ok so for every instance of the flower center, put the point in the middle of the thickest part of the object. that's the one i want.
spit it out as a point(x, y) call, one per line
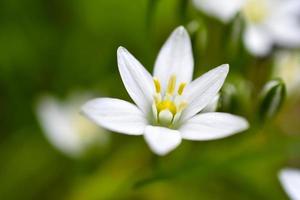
point(167, 107)
point(255, 11)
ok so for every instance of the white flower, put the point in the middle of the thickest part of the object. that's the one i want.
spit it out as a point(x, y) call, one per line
point(167, 104)
point(224, 10)
point(65, 128)
point(290, 180)
point(268, 22)
point(287, 67)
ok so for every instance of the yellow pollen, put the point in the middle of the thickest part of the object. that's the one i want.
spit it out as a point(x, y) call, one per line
point(157, 85)
point(166, 104)
point(171, 85)
point(181, 88)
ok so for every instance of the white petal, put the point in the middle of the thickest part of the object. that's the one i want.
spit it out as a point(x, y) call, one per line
point(283, 22)
point(257, 40)
point(116, 115)
point(285, 30)
point(203, 90)
point(212, 106)
point(214, 125)
point(137, 80)
point(162, 140)
point(58, 128)
point(225, 10)
point(283, 8)
point(175, 58)
point(290, 180)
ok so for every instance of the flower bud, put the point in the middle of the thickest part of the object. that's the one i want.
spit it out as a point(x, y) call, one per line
point(272, 97)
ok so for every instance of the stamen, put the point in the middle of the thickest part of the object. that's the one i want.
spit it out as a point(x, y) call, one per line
point(171, 85)
point(166, 104)
point(154, 111)
point(182, 106)
point(168, 107)
point(157, 85)
point(157, 98)
point(181, 88)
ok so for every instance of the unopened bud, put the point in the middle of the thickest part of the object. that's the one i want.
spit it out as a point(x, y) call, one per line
point(272, 97)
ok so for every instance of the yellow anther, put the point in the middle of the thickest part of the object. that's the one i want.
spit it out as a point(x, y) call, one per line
point(167, 107)
point(181, 88)
point(167, 104)
point(171, 85)
point(157, 85)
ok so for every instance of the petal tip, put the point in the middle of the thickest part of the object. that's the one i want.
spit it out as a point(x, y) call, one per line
point(244, 124)
point(181, 31)
point(158, 152)
point(85, 108)
point(286, 171)
point(122, 55)
point(180, 28)
point(225, 67)
point(161, 140)
point(121, 50)
point(290, 180)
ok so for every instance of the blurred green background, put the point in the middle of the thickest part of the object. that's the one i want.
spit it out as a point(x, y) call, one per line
point(57, 47)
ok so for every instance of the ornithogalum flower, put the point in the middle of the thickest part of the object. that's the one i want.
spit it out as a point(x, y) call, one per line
point(290, 180)
point(65, 128)
point(168, 105)
point(268, 22)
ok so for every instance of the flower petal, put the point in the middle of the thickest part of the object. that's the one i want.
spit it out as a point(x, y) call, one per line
point(116, 115)
point(56, 122)
point(285, 30)
point(162, 140)
point(203, 90)
point(212, 106)
point(214, 125)
point(284, 8)
point(225, 10)
point(290, 180)
point(175, 58)
point(137, 80)
point(257, 40)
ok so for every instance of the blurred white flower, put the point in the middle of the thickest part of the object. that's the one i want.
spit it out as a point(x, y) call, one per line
point(290, 180)
point(271, 22)
point(168, 104)
point(287, 67)
point(66, 128)
point(224, 10)
point(268, 22)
